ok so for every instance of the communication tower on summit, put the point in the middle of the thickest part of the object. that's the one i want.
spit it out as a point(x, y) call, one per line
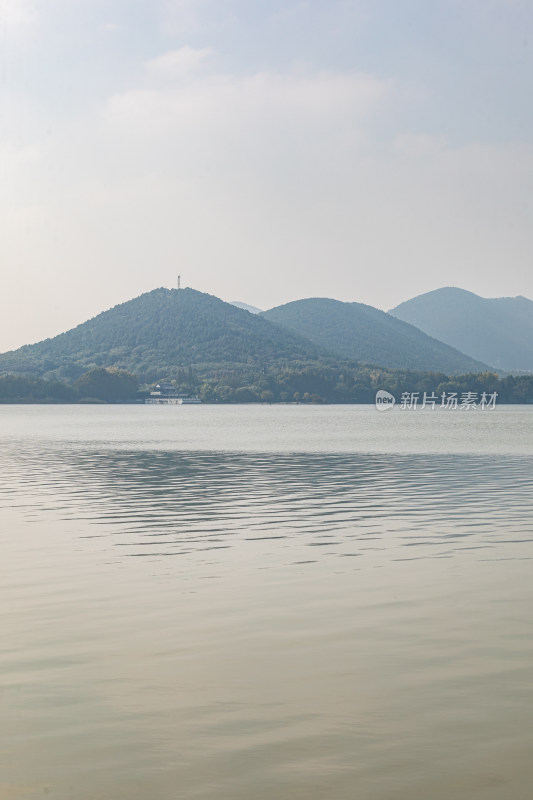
point(179, 281)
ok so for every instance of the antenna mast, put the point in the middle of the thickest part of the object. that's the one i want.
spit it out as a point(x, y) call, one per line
point(179, 281)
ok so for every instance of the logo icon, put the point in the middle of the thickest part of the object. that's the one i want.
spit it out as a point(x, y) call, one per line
point(384, 400)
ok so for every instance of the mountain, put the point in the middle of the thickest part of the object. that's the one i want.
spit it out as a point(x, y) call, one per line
point(160, 331)
point(363, 333)
point(496, 330)
point(246, 307)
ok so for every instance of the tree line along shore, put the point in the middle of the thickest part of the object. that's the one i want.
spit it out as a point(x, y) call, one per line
point(296, 384)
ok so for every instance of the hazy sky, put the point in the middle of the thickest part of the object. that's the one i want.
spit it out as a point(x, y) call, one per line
point(366, 150)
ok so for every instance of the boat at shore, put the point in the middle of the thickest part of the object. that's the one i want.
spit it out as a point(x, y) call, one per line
point(165, 394)
point(172, 401)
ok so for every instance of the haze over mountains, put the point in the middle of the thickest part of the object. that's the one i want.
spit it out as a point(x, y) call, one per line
point(498, 330)
point(166, 329)
point(364, 333)
point(251, 309)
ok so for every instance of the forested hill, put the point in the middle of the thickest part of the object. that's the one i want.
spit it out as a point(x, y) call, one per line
point(498, 330)
point(159, 332)
point(363, 333)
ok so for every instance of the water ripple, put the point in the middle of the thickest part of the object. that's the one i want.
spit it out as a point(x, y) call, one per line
point(155, 503)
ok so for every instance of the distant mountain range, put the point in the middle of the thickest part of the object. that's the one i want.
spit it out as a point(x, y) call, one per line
point(169, 329)
point(160, 331)
point(363, 333)
point(246, 307)
point(498, 330)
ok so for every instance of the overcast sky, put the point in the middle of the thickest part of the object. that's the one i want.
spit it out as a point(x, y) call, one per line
point(358, 149)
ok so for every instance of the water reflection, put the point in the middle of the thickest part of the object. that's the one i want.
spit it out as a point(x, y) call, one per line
point(162, 503)
point(367, 634)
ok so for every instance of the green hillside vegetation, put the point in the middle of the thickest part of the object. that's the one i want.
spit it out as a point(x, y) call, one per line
point(362, 333)
point(97, 385)
point(496, 330)
point(356, 385)
point(308, 384)
point(159, 332)
point(109, 385)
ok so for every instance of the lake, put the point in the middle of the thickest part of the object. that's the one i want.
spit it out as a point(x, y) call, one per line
point(259, 602)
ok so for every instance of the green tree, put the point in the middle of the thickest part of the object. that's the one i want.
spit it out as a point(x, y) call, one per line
point(107, 384)
point(245, 394)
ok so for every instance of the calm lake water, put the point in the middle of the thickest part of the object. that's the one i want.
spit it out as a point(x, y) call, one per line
point(266, 602)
